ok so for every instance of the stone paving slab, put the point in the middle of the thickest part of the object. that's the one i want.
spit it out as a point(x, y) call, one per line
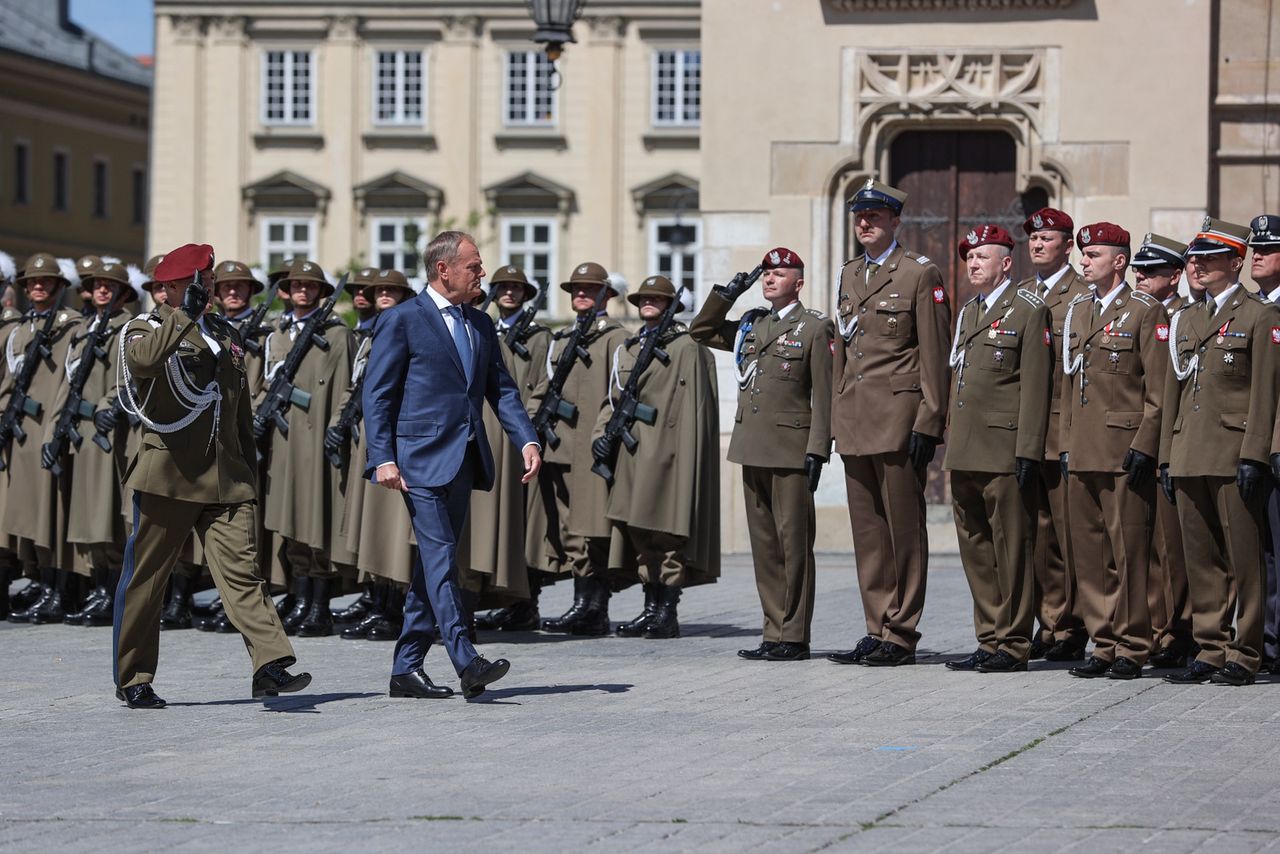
point(633, 745)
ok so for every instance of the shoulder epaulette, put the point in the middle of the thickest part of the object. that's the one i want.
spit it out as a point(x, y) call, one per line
point(851, 261)
point(1144, 298)
point(1031, 298)
point(1260, 298)
point(813, 312)
point(918, 258)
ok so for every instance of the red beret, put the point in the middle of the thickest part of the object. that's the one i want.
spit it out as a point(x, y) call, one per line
point(1103, 234)
point(985, 235)
point(184, 262)
point(1048, 219)
point(782, 258)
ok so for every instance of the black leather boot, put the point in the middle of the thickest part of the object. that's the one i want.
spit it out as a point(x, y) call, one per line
point(26, 597)
point(102, 611)
point(23, 615)
point(360, 631)
point(359, 609)
point(388, 628)
point(98, 593)
point(562, 623)
point(319, 619)
point(301, 605)
point(665, 623)
point(524, 617)
point(49, 609)
point(494, 619)
point(635, 628)
point(594, 620)
point(177, 611)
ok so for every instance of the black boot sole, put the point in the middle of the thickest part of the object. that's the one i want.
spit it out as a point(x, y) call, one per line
point(299, 682)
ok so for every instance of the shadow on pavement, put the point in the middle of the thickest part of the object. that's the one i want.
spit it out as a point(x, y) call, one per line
point(289, 703)
point(546, 690)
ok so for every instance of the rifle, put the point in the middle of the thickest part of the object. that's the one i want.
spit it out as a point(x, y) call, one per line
point(252, 330)
point(518, 332)
point(76, 409)
point(20, 403)
point(628, 410)
point(283, 393)
point(554, 408)
point(348, 420)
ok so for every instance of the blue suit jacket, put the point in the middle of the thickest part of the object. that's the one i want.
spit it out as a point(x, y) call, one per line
point(418, 408)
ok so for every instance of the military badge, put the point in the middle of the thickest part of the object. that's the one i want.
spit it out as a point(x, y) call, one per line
point(237, 356)
point(1162, 332)
point(1085, 236)
point(1048, 338)
point(971, 238)
point(1037, 221)
point(1229, 358)
point(939, 296)
point(1275, 335)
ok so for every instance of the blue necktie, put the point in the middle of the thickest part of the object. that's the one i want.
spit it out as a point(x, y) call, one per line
point(460, 339)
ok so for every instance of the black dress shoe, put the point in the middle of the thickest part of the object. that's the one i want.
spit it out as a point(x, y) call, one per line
point(419, 686)
point(971, 663)
point(101, 613)
point(1232, 674)
point(360, 631)
point(1038, 649)
point(787, 651)
point(386, 629)
point(759, 652)
point(865, 647)
point(1167, 659)
point(140, 697)
point(481, 672)
point(1197, 674)
point(1124, 668)
point(274, 678)
point(889, 654)
point(357, 610)
point(1002, 662)
point(1091, 669)
point(26, 597)
point(79, 617)
point(1065, 651)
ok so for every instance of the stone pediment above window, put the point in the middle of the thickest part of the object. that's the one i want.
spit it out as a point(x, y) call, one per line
point(398, 191)
point(529, 191)
point(668, 193)
point(943, 5)
point(285, 190)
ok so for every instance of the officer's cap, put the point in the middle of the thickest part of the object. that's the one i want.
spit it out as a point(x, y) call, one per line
point(1159, 251)
point(874, 194)
point(1265, 230)
point(1219, 237)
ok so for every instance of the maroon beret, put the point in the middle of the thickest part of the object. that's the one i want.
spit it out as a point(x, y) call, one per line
point(1048, 219)
point(1103, 234)
point(782, 258)
point(184, 262)
point(985, 235)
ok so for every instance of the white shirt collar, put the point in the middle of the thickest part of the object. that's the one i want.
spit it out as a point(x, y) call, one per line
point(1274, 296)
point(783, 312)
point(884, 257)
point(1052, 281)
point(1222, 298)
point(1173, 296)
point(994, 297)
point(438, 298)
point(1109, 298)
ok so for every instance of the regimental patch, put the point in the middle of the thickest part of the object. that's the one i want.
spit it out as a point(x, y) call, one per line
point(922, 260)
point(1048, 338)
point(1162, 332)
point(1275, 335)
point(939, 295)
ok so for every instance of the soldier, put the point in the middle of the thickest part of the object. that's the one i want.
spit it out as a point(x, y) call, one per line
point(193, 471)
point(578, 529)
point(887, 417)
point(781, 438)
point(1062, 635)
point(1157, 270)
point(1264, 240)
point(9, 567)
point(362, 300)
point(304, 493)
point(999, 414)
point(1116, 357)
point(234, 285)
point(38, 521)
point(1220, 407)
point(95, 525)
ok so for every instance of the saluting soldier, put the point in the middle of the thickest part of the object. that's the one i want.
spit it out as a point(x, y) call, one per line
point(665, 494)
point(781, 438)
point(1061, 637)
point(999, 413)
point(1116, 356)
point(304, 497)
point(888, 414)
point(578, 530)
point(38, 519)
point(193, 472)
point(1157, 270)
point(1220, 408)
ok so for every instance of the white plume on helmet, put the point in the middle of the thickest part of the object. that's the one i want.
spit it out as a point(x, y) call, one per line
point(260, 275)
point(110, 259)
point(67, 268)
point(417, 283)
point(8, 267)
point(619, 284)
point(137, 280)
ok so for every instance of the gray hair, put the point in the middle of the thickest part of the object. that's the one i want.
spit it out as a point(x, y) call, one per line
point(443, 247)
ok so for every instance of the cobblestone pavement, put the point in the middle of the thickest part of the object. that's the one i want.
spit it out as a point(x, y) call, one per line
point(632, 744)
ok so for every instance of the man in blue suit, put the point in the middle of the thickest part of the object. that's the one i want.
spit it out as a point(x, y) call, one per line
point(433, 364)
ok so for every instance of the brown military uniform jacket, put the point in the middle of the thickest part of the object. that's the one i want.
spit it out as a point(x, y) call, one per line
point(784, 381)
point(1114, 402)
point(1225, 411)
point(1000, 402)
point(1067, 288)
point(207, 461)
point(891, 375)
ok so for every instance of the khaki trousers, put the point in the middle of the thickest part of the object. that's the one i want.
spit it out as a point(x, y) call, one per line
point(160, 525)
point(1168, 597)
point(569, 552)
point(660, 556)
point(994, 521)
point(1222, 542)
point(890, 543)
point(1110, 549)
point(781, 524)
point(1058, 609)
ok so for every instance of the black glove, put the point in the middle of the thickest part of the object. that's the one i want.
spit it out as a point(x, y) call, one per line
point(260, 430)
point(335, 438)
point(921, 448)
point(1275, 467)
point(1166, 484)
point(1064, 460)
point(737, 287)
point(1025, 470)
point(600, 450)
point(48, 455)
point(1140, 468)
point(105, 419)
point(813, 470)
point(1249, 477)
point(194, 300)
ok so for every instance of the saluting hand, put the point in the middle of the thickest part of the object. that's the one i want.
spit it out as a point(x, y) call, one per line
point(388, 475)
point(532, 462)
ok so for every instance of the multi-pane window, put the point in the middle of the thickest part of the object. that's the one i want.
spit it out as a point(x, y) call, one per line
point(139, 199)
point(287, 237)
point(677, 88)
point(61, 181)
point(398, 243)
point(397, 82)
point(674, 250)
point(100, 201)
point(528, 96)
point(21, 173)
point(287, 87)
point(529, 243)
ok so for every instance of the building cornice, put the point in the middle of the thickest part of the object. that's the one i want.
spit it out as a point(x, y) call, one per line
point(943, 5)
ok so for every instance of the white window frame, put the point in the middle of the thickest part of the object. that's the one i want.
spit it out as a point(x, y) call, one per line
point(399, 65)
point(288, 105)
point(25, 145)
point(533, 58)
point(105, 162)
point(288, 247)
point(377, 247)
point(692, 252)
point(552, 250)
point(678, 118)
